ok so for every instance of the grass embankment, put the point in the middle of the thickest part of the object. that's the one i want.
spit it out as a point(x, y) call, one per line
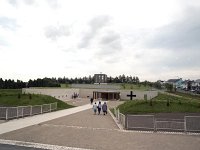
point(11, 97)
point(140, 87)
point(187, 95)
point(65, 85)
point(159, 105)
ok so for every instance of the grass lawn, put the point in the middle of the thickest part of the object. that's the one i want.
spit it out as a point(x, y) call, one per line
point(9, 97)
point(159, 105)
point(127, 86)
point(187, 95)
point(65, 85)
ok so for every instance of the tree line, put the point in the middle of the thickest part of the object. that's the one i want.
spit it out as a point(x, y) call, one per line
point(55, 82)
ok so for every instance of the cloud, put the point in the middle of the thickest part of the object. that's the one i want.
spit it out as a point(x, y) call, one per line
point(17, 2)
point(8, 23)
point(3, 42)
point(110, 43)
point(54, 32)
point(53, 3)
point(95, 25)
point(184, 33)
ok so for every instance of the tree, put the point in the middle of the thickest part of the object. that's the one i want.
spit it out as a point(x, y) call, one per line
point(157, 85)
point(169, 87)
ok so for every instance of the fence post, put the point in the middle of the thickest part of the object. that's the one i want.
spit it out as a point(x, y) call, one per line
point(6, 113)
point(22, 112)
point(17, 113)
point(155, 125)
point(50, 106)
point(41, 108)
point(31, 111)
point(117, 114)
point(185, 129)
point(56, 105)
point(126, 121)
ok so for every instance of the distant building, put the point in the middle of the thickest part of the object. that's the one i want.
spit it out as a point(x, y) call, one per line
point(100, 78)
point(175, 82)
point(197, 83)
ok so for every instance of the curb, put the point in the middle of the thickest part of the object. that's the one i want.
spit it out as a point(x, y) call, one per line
point(115, 120)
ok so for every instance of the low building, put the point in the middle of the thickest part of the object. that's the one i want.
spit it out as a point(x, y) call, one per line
point(175, 82)
point(106, 95)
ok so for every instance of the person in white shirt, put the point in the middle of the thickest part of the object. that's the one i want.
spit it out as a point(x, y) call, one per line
point(95, 108)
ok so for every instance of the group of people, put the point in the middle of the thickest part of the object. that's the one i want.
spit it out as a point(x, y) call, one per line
point(100, 107)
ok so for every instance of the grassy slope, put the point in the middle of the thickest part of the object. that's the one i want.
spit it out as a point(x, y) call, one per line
point(10, 98)
point(134, 87)
point(177, 104)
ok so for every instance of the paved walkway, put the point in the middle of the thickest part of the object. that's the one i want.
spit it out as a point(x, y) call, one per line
point(37, 119)
point(88, 131)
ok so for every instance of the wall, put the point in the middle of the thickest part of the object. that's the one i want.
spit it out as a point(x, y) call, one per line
point(139, 94)
point(59, 93)
point(65, 94)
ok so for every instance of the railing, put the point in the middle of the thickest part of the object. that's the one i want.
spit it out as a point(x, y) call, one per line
point(7, 113)
point(141, 122)
point(151, 123)
point(120, 117)
point(172, 124)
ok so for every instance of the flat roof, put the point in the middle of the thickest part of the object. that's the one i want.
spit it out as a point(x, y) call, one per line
point(107, 91)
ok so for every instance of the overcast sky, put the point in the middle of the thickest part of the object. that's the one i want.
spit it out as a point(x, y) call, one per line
point(151, 39)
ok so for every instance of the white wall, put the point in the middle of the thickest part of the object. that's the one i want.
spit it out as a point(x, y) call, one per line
point(139, 94)
point(66, 94)
point(59, 93)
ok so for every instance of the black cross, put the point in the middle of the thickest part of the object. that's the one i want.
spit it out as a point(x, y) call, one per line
point(131, 95)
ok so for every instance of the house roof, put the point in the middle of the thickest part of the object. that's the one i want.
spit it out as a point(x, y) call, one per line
point(173, 80)
point(198, 81)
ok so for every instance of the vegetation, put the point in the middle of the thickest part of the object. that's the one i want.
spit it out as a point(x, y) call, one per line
point(11, 98)
point(161, 103)
point(187, 95)
point(169, 87)
point(129, 86)
point(11, 84)
point(58, 82)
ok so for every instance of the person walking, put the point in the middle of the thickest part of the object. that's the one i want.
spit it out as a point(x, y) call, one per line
point(95, 108)
point(91, 100)
point(104, 108)
point(99, 107)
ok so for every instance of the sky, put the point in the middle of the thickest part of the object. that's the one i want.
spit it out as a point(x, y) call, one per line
point(151, 39)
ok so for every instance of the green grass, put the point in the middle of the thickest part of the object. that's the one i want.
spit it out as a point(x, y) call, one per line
point(126, 86)
point(4, 92)
point(64, 85)
point(187, 95)
point(10, 98)
point(177, 104)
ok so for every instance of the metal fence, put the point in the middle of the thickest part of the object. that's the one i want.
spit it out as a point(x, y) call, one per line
point(141, 122)
point(192, 123)
point(151, 123)
point(120, 117)
point(7, 113)
point(172, 124)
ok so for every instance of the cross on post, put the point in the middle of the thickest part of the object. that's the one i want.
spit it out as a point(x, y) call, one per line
point(131, 95)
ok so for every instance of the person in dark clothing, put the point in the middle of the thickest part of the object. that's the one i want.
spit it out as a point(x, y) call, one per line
point(99, 108)
point(91, 100)
point(104, 108)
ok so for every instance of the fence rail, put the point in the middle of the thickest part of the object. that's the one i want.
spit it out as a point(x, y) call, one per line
point(150, 122)
point(7, 113)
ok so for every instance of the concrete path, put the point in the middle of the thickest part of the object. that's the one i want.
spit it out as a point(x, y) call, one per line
point(37, 119)
point(84, 130)
point(15, 147)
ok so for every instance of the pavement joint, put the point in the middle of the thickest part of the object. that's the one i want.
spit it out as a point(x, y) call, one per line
point(80, 127)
